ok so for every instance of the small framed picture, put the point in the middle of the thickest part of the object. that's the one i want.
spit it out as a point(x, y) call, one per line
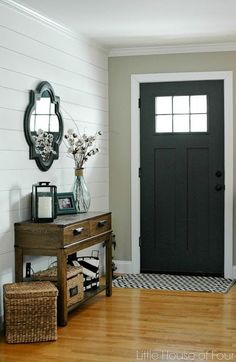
point(65, 203)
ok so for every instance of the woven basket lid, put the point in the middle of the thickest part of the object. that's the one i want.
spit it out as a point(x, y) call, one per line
point(51, 273)
point(30, 290)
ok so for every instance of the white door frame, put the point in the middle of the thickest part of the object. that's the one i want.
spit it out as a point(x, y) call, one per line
point(136, 79)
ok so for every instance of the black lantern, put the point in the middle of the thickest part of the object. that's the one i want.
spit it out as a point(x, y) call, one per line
point(43, 202)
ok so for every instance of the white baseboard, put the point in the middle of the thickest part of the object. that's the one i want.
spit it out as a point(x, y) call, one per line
point(234, 272)
point(123, 266)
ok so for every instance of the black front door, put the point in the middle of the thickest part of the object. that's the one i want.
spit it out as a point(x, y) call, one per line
point(182, 177)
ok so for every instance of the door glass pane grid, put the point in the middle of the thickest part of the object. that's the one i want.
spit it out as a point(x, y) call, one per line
point(181, 114)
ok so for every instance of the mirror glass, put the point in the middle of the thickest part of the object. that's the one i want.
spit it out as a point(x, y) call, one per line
point(43, 125)
point(44, 116)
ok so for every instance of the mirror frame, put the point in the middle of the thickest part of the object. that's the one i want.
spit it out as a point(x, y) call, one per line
point(36, 96)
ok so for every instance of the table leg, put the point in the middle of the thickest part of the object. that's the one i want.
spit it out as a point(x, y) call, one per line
point(62, 286)
point(18, 264)
point(109, 266)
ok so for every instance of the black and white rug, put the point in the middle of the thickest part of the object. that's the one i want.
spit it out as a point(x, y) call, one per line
point(174, 282)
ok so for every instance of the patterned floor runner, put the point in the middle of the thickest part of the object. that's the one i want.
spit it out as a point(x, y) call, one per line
point(174, 282)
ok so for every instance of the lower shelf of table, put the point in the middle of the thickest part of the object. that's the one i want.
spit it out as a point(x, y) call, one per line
point(87, 295)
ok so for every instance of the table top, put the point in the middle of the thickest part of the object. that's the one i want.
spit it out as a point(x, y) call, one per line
point(65, 220)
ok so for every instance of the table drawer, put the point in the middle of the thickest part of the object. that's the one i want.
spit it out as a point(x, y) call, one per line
point(76, 232)
point(100, 224)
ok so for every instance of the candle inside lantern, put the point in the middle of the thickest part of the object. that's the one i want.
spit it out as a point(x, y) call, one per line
point(44, 207)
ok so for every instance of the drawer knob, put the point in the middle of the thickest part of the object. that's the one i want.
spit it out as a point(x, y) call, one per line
point(78, 231)
point(102, 223)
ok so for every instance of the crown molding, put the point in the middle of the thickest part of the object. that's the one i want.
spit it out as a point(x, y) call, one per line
point(119, 52)
point(21, 9)
point(173, 49)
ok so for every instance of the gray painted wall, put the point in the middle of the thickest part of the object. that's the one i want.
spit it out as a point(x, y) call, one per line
point(120, 70)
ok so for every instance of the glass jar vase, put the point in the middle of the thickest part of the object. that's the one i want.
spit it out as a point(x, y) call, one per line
point(81, 192)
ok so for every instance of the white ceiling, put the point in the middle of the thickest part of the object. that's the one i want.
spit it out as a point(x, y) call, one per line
point(137, 23)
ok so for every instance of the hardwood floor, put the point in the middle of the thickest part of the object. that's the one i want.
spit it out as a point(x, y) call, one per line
point(141, 325)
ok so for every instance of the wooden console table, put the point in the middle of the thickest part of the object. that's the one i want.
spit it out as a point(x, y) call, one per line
point(65, 236)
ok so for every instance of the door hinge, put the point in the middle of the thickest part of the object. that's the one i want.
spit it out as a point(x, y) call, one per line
point(139, 103)
point(140, 241)
point(139, 172)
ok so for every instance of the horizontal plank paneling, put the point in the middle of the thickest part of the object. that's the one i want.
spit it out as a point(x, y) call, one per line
point(8, 218)
point(30, 52)
point(78, 97)
point(89, 129)
point(14, 179)
point(7, 241)
point(6, 262)
point(44, 34)
point(7, 137)
point(75, 111)
point(11, 119)
point(99, 203)
point(83, 117)
point(16, 203)
point(13, 99)
point(93, 174)
point(13, 200)
point(14, 80)
point(33, 67)
point(9, 39)
point(72, 113)
point(96, 189)
point(8, 160)
point(19, 200)
point(99, 160)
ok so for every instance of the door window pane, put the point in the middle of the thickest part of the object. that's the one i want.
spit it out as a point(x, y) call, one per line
point(198, 104)
point(163, 124)
point(181, 104)
point(163, 105)
point(198, 123)
point(181, 114)
point(181, 123)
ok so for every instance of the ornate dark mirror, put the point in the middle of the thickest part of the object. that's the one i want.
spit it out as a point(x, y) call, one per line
point(43, 126)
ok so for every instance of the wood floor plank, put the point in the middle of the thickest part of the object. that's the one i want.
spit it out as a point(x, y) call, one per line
point(141, 325)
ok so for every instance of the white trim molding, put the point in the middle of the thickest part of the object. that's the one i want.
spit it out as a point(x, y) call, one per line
point(123, 266)
point(21, 9)
point(234, 272)
point(136, 79)
point(37, 16)
point(173, 49)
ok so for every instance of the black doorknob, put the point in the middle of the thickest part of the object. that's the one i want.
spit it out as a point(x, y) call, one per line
point(219, 173)
point(218, 187)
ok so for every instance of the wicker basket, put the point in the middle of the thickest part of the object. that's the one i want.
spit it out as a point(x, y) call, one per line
point(30, 312)
point(75, 291)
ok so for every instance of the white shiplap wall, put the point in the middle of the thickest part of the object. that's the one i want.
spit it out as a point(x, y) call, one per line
point(32, 51)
